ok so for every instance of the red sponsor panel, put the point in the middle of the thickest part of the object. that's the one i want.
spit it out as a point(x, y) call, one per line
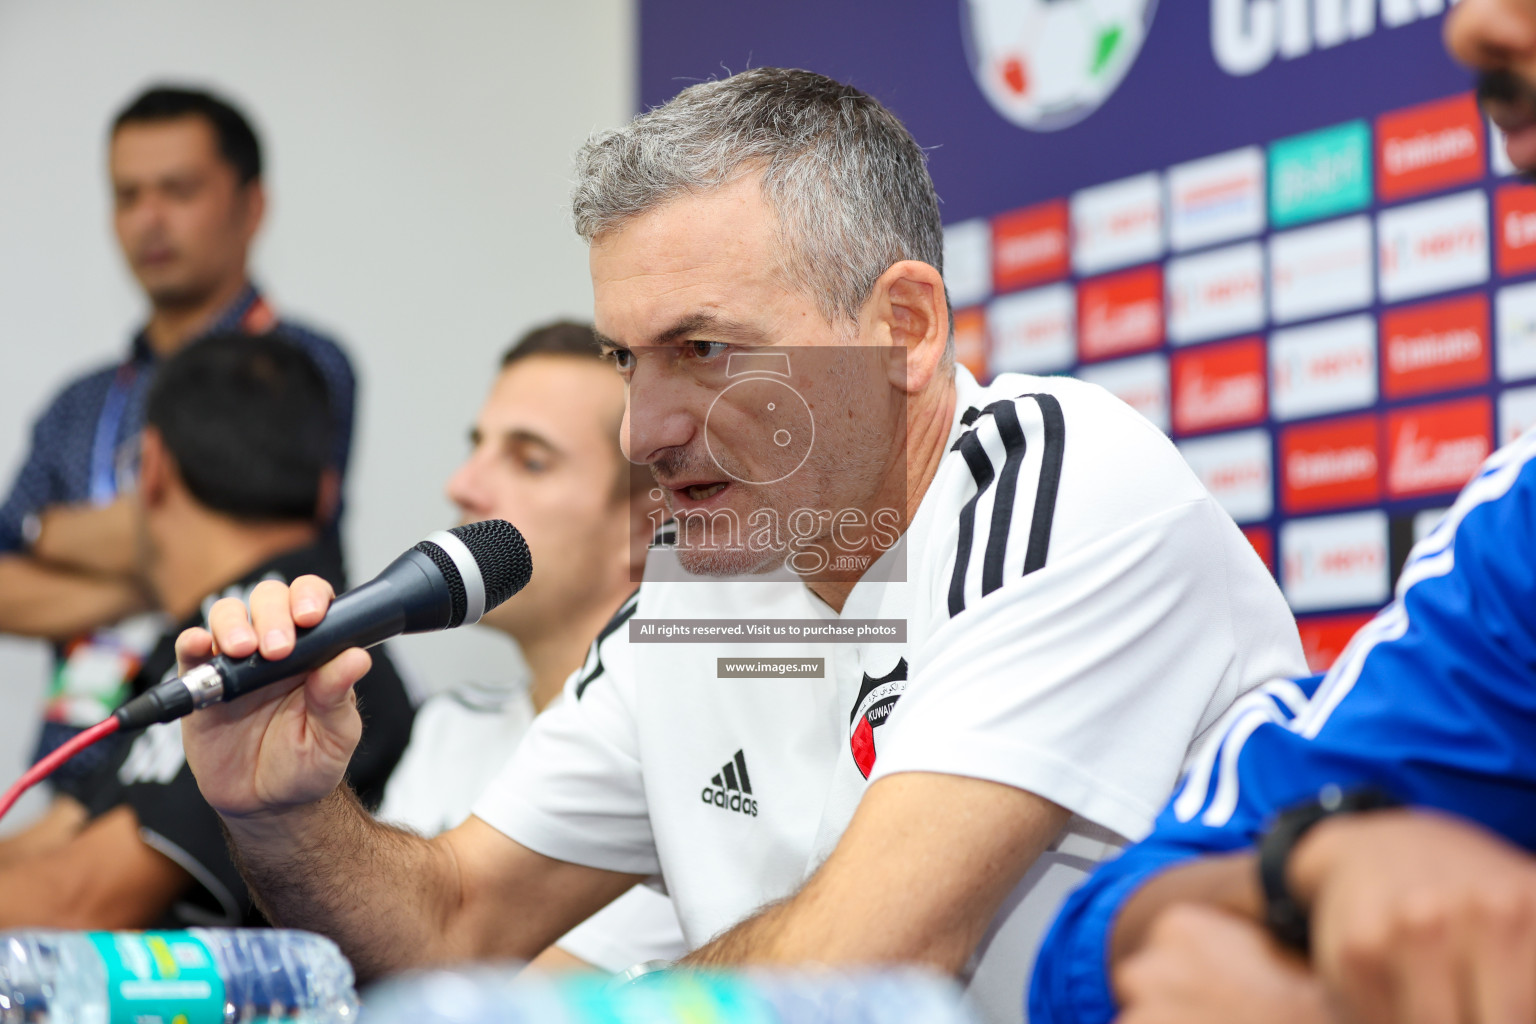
point(971, 340)
point(1030, 246)
point(1436, 449)
point(1514, 215)
point(1120, 313)
point(1324, 637)
point(1330, 464)
point(1435, 346)
point(1216, 386)
point(1263, 542)
point(1429, 147)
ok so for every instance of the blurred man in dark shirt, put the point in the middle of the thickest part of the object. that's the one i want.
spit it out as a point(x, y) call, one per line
point(234, 469)
point(187, 202)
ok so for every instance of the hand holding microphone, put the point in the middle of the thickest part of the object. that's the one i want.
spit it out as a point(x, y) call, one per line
point(259, 747)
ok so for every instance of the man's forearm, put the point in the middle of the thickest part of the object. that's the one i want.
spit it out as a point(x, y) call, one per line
point(1229, 882)
point(331, 868)
point(54, 604)
point(97, 539)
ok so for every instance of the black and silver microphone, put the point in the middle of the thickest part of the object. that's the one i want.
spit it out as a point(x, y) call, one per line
point(451, 578)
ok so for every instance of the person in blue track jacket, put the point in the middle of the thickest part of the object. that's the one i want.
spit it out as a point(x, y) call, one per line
point(1361, 845)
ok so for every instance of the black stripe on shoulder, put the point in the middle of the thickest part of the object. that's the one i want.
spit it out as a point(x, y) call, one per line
point(1050, 481)
point(1006, 416)
point(981, 470)
point(624, 614)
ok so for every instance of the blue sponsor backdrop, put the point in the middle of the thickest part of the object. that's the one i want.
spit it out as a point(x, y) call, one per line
point(1175, 104)
point(1178, 103)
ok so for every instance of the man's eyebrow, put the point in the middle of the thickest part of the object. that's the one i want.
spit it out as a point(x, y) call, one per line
point(712, 325)
point(517, 435)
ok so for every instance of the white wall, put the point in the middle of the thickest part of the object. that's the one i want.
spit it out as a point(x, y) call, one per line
point(418, 157)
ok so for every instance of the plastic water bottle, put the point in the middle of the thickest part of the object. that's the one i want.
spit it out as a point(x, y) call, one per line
point(492, 996)
point(200, 976)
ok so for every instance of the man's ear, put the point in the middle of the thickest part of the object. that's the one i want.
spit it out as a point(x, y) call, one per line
point(908, 311)
point(157, 469)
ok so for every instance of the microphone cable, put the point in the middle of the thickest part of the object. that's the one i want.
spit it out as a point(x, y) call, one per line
point(50, 763)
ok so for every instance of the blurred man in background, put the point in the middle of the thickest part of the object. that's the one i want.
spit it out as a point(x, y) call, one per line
point(188, 200)
point(544, 457)
point(1285, 882)
point(236, 461)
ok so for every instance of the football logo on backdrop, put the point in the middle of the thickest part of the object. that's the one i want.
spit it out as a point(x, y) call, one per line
point(1047, 64)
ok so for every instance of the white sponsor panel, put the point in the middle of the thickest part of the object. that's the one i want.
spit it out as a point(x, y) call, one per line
point(1216, 199)
point(1498, 156)
point(1034, 331)
point(1433, 246)
point(968, 261)
point(1335, 561)
point(1515, 331)
point(1117, 224)
point(1216, 293)
point(1237, 469)
point(1517, 413)
point(1323, 367)
point(1319, 270)
point(1140, 382)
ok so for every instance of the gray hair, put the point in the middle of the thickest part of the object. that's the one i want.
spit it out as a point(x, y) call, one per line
point(849, 183)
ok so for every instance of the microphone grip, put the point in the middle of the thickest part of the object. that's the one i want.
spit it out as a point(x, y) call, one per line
point(363, 617)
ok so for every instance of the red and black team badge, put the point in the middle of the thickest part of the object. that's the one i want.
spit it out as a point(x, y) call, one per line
point(877, 699)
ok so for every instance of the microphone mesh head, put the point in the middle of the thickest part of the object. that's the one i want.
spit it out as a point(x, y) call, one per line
point(502, 555)
point(458, 596)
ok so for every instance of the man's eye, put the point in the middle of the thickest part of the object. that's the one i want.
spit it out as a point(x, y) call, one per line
point(707, 349)
point(622, 358)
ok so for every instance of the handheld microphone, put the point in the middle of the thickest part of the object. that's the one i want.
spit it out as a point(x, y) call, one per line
point(451, 578)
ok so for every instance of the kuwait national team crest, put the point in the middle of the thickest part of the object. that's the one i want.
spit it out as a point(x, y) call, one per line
point(877, 699)
point(1047, 64)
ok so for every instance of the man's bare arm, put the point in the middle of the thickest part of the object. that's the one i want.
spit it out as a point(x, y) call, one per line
point(393, 900)
point(42, 601)
point(95, 539)
point(917, 878)
point(60, 823)
point(104, 878)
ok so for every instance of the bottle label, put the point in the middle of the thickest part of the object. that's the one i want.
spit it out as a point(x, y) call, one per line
point(160, 978)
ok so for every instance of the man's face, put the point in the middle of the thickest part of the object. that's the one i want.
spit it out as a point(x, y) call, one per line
point(1497, 38)
point(545, 459)
point(760, 421)
point(182, 218)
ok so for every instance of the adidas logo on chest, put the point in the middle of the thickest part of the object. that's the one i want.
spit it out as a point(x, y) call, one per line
point(731, 788)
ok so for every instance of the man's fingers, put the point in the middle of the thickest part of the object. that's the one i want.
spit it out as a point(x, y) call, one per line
point(309, 597)
point(329, 687)
point(272, 619)
point(231, 628)
point(1425, 971)
point(1499, 964)
point(193, 647)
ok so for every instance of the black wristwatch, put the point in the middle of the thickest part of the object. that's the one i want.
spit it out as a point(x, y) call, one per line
point(1287, 919)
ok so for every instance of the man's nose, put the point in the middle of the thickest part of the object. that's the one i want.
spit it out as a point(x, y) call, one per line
point(660, 413)
point(1492, 34)
point(466, 489)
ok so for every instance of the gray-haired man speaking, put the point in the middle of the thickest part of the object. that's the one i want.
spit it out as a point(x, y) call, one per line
point(933, 648)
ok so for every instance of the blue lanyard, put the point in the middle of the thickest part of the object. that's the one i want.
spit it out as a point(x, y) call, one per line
point(104, 450)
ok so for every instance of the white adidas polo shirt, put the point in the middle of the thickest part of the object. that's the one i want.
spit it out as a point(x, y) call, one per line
point(1078, 611)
